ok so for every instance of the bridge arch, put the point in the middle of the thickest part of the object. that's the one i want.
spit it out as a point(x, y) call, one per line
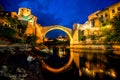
point(68, 31)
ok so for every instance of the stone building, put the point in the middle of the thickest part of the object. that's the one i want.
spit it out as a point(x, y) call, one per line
point(103, 16)
point(25, 16)
point(4, 14)
point(32, 27)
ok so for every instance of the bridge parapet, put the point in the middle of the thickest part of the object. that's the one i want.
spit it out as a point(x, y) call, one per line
point(46, 29)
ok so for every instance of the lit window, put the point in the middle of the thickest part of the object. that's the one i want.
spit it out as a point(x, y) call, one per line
point(113, 11)
point(6, 13)
point(118, 8)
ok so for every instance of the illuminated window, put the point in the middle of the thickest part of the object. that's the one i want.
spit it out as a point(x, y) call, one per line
point(118, 8)
point(113, 11)
point(6, 13)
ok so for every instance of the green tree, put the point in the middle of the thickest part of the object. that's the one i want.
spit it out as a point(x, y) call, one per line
point(31, 40)
point(115, 22)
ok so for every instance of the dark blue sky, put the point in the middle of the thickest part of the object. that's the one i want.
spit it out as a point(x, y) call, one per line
point(58, 12)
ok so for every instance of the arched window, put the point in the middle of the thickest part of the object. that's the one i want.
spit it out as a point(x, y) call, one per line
point(118, 9)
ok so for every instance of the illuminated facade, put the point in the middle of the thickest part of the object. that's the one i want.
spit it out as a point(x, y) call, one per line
point(103, 16)
point(109, 12)
point(91, 28)
point(33, 27)
point(3, 21)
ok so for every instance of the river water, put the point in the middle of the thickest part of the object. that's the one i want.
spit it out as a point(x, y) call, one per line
point(87, 64)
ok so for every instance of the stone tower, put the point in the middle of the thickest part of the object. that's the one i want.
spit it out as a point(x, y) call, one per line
point(32, 27)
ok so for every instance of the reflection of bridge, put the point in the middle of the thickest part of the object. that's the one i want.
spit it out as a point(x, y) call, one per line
point(68, 31)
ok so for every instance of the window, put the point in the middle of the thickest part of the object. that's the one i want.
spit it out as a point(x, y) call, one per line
point(7, 14)
point(118, 8)
point(113, 11)
point(102, 21)
point(27, 10)
point(106, 15)
point(93, 22)
point(21, 9)
point(101, 17)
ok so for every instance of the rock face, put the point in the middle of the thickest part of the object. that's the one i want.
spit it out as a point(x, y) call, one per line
point(33, 27)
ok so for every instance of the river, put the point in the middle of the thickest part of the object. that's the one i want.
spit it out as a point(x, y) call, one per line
point(86, 65)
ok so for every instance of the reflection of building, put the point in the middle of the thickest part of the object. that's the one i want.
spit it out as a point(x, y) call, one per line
point(63, 38)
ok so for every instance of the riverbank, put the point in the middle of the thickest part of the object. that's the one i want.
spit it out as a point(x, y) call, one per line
point(102, 47)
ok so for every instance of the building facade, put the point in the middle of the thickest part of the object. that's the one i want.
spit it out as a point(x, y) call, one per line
point(103, 16)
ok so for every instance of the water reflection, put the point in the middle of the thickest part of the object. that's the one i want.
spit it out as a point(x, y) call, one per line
point(89, 64)
point(58, 58)
point(97, 64)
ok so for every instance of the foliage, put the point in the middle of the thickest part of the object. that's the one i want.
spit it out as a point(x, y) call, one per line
point(93, 37)
point(106, 23)
point(15, 31)
point(31, 40)
point(82, 37)
point(17, 24)
point(113, 34)
point(116, 28)
point(7, 32)
point(116, 24)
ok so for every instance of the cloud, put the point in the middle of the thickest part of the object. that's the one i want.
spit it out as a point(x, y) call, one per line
point(48, 19)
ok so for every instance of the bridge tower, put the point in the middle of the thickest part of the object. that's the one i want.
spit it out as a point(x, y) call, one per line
point(76, 33)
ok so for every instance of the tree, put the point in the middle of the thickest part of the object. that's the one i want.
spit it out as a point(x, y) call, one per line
point(115, 22)
point(111, 31)
point(31, 40)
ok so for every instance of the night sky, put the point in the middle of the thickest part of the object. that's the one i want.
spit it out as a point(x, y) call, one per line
point(58, 12)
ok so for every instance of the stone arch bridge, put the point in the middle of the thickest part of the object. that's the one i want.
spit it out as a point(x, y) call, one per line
point(68, 31)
